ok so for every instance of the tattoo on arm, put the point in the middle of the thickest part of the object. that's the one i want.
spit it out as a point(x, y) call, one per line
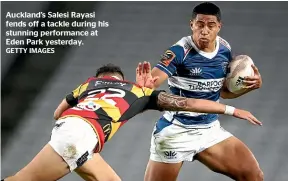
point(172, 102)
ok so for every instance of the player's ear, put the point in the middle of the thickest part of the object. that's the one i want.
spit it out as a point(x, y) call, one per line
point(191, 24)
point(219, 27)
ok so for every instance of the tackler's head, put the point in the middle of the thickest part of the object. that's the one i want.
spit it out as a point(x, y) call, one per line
point(110, 70)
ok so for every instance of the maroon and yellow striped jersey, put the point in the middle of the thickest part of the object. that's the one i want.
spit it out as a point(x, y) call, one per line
point(107, 103)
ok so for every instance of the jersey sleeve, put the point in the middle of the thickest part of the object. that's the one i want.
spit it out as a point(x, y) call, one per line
point(229, 51)
point(72, 98)
point(153, 98)
point(171, 59)
point(231, 55)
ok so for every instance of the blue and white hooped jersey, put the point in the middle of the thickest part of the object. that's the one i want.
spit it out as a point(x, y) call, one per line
point(195, 74)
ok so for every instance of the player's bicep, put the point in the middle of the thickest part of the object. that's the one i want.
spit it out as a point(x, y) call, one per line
point(156, 72)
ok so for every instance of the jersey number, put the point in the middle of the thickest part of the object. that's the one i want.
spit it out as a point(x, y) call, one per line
point(90, 103)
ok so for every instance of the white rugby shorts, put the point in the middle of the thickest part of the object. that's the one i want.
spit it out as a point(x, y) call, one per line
point(74, 140)
point(174, 144)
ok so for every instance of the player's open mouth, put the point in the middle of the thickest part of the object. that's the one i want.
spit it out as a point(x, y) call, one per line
point(204, 39)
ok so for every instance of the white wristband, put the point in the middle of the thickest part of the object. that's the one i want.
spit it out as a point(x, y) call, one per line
point(229, 110)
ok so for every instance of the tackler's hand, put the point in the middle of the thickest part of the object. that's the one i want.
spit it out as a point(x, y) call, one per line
point(143, 75)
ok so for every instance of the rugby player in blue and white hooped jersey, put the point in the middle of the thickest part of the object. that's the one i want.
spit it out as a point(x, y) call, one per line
point(196, 66)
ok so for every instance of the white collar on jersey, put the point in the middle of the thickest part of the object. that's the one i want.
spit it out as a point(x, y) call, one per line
point(115, 77)
point(209, 55)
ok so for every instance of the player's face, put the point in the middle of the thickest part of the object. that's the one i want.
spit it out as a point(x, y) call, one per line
point(205, 29)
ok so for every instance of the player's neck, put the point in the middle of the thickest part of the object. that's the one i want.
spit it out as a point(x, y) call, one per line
point(211, 47)
point(208, 49)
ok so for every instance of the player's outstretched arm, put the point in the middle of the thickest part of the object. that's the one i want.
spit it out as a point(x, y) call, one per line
point(177, 103)
point(69, 101)
point(63, 106)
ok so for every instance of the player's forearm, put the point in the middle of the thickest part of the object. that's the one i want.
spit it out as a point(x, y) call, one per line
point(205, 106)
point(176, 103)
point(226, 94)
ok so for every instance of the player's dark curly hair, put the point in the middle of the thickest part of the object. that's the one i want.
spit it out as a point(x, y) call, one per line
point(109, 68)
point(207, 8)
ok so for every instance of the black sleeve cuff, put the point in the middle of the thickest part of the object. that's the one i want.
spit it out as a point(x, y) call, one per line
point(154, 99)
point(71, 100)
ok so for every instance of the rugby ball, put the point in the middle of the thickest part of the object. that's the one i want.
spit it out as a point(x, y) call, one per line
point(240, 67)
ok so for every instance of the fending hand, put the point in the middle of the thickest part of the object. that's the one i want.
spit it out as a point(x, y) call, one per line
point(143, 75)
point(242, 114)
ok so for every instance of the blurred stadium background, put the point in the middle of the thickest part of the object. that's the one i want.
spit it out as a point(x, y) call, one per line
point(33, 85)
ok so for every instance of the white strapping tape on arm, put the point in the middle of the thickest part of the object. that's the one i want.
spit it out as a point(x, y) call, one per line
point(229, 110)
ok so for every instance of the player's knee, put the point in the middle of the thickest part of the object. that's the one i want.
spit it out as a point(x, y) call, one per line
point(113, 178)
point(17, 177)
point(259, 175)
point(23, 175)
point(116, 178)
point(251, 175)
point(108, 178)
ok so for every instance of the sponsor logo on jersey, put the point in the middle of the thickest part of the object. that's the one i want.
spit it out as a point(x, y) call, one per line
point(187, 47)
point(167, 57)
point(109, 83)
point(107, 130)
point(196, 85)
point(224, 67)
point(196, 71)
point(212, 85)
